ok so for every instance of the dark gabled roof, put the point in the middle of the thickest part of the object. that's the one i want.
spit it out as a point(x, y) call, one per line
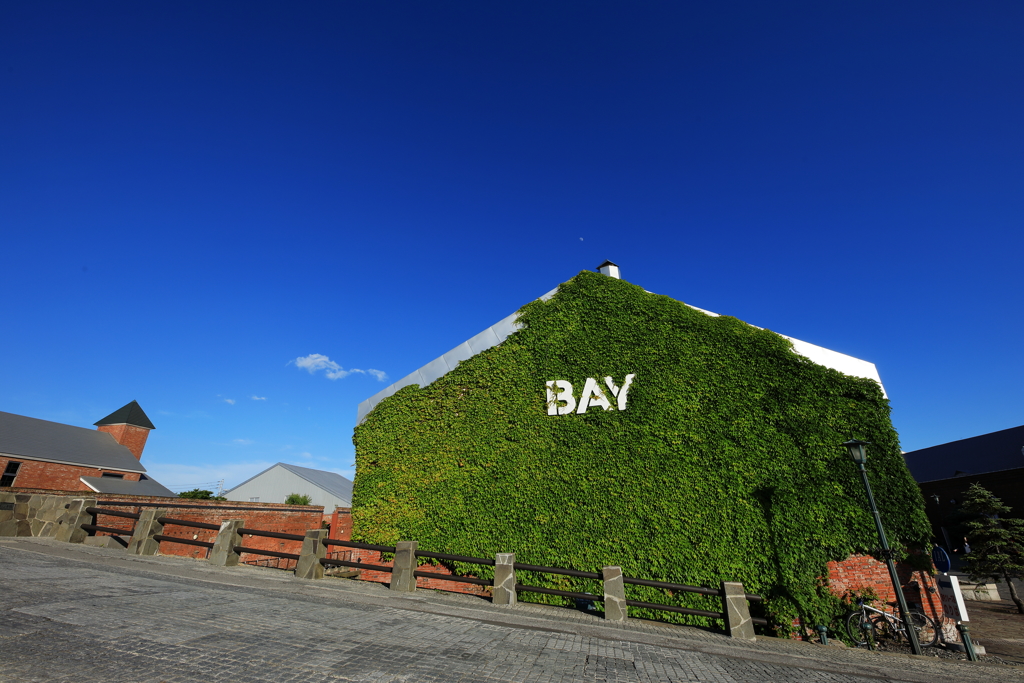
point(126, 487)
point(28, 437)
point(607, 263)
point(331, 482)
point(992, 452)
point(131, 414)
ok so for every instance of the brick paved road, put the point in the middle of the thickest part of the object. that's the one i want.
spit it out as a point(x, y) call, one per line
point(70, 613)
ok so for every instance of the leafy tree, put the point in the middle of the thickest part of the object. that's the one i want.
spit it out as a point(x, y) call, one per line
point(200, 494)
point(298, 499)
point(997, 543)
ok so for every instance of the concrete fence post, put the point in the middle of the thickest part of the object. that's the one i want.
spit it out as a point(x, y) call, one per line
point(223, 552)
point(313, 550)
point(504, 592)
point(615, 608)
point(737, 611)
point(70, 526)
point(402, 577)
point(146, 527)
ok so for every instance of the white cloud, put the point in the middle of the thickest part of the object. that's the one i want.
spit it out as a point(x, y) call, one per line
point(230, 401)
point(243, 442)
point(259, 398)
point(318, 361)
point(315, 362)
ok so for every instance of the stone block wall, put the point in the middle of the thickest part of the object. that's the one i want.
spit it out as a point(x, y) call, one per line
point(30, 514)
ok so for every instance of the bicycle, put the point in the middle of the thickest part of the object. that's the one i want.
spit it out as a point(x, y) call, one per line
point(887, 625)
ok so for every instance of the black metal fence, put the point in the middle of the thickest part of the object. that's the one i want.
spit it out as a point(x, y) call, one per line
point(483, 561)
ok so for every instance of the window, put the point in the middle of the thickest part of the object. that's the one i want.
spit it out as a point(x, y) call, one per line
point(113, 475)
point(254, 500)
point(10, 472)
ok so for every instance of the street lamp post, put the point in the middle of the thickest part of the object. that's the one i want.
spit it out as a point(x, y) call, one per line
point(859, 456)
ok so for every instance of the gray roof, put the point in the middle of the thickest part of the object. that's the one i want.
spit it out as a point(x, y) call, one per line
point(34, 439)
point(331, 482)
point(146, 487)
point(992, 452)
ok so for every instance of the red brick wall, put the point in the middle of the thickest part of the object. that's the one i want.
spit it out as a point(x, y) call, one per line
point(854, 573)
point(862, 571)
point(373, 557)
point(289, 519)
point(130, 436)
point(341, 524)
point(35, 474)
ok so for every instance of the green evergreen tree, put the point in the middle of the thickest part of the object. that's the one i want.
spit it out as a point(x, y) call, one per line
point(200, 494)
point(298, 499)
point(197, 494)
point(997, 542)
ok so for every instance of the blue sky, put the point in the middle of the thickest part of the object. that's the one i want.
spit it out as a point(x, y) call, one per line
point(195, 195)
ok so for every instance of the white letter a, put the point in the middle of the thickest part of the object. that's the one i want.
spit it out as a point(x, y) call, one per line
point(592, 396)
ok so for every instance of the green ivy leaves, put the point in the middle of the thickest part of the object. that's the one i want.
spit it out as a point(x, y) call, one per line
point(726, 464)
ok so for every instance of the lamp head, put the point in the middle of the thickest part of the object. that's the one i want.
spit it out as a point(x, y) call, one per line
point(856, 449)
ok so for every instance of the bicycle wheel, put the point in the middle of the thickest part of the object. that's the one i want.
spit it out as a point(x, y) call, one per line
point(887, 629)
point(855, 628)
point(927, 630)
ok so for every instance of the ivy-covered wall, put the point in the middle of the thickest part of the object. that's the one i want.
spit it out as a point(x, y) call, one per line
point(724, 465)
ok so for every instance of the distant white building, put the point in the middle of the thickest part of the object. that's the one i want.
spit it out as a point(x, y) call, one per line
point(276, 483)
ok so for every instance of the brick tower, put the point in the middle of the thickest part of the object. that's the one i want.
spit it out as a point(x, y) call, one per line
point(129, 426)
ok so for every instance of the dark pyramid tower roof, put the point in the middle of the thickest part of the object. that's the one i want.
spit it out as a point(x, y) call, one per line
point(129, 414)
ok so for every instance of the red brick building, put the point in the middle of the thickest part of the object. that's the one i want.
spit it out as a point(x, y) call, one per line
point(38, 454)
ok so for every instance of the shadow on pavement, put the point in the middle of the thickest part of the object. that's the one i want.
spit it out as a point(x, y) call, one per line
point(999, 627)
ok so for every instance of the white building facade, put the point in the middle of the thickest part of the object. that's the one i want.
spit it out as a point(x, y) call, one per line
point(276, 483)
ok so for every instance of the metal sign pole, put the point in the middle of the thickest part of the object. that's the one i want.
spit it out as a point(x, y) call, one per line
point(965, 634)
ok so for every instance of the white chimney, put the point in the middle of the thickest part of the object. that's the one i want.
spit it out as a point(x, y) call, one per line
point(610, 269)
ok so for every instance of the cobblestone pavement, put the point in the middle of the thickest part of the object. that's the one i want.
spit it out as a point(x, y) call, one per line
point(999, 627)
point(74, 613)
point(996, 624)
point(1004, 590)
